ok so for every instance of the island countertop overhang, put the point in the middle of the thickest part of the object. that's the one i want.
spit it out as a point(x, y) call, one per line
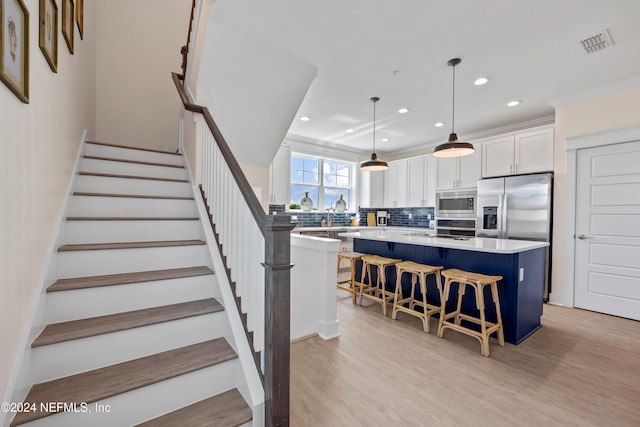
point(477, 244)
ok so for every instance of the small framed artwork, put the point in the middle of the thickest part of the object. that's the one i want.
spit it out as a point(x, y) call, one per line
point(67, 23)
point(14, 47)
point(49, 32)
point(80, 17)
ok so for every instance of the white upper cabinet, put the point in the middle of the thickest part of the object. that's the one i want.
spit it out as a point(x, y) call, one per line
point(459, 172)
point(415, 181)
point(371, 189)
point(279, 177)
point(519, 153)
point(534, 151)
point(421, 178)
point(497, 157)
point(395, 185)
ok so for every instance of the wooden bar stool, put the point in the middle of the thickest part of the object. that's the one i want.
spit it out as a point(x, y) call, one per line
point(348, 277)
point(419, 273)
point(377, 292)
point(477, 282)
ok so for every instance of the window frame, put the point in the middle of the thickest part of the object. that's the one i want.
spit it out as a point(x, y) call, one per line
point(352, 204)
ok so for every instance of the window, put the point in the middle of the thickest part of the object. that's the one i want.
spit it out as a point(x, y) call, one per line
point(324, 179)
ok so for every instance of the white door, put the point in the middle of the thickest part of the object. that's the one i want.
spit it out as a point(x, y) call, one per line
point(607, 270)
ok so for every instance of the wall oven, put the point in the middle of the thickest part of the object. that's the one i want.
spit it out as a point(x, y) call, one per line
point(456, 214)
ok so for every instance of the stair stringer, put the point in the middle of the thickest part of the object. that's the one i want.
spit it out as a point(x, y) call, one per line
point(250, 386)
point(21, 378)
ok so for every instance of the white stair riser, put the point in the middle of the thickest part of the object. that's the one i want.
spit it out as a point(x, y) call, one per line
point(125, 168)
point(113, 261)
point(149, 187)
point(72, 357)
point(98, 206)
point(149, 402)
point(131, 231)
point(130, 154)
point(84, 303)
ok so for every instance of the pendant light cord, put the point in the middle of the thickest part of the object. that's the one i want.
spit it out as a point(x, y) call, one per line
point(453, 103)
point(374, 127)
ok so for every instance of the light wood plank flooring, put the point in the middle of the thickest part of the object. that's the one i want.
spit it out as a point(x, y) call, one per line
point(580, 369)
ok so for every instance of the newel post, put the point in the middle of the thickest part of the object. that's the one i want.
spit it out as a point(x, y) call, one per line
point(277, 263)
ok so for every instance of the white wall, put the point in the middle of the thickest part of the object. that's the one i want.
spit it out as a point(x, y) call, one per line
point(38, 143)
point(138, 48)
point(605, 112)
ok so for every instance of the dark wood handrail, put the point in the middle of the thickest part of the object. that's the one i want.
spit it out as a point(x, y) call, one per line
point(277, 291)
point(252, 200)
point(185, 49)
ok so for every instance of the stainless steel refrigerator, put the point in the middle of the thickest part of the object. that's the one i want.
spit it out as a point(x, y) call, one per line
point(517, 207)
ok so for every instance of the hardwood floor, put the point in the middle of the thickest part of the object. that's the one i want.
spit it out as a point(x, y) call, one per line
point(580, 369)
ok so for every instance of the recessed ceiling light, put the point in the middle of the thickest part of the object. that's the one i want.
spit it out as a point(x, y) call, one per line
point(304, 118)
point(385, 140)
point(512, 103)
point(350, 130)
point(403, 110)
point(481, 80)
point(439, 124)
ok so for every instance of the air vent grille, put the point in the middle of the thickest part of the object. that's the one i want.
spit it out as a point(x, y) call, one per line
point(595, 43)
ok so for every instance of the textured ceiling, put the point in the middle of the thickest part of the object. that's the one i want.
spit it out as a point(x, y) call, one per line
point(398, 50)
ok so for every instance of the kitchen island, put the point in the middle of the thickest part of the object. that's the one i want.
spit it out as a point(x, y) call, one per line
point(522, 265)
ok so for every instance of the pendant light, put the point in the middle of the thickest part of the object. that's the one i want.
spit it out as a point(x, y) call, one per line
point(453, 147)
point(374, 164)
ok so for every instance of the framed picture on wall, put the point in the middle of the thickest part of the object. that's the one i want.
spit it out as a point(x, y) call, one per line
point(67, 23)
point(14, 47)
point(80, 17)
point(49, 32)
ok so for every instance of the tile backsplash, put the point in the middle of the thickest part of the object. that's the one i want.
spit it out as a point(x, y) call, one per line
point(402, 217)
point(398, 217)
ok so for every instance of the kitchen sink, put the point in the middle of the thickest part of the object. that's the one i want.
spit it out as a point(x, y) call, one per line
point(331, 234)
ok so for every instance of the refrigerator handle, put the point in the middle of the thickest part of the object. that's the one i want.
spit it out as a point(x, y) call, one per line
point(503, 221)
point(499, 236)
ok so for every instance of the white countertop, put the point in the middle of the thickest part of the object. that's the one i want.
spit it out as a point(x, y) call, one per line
point(478, 244)
point(348, 228)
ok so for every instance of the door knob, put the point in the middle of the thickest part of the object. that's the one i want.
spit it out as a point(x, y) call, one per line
point(583, 236)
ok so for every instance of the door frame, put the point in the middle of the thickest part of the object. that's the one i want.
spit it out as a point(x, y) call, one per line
point(573, 144)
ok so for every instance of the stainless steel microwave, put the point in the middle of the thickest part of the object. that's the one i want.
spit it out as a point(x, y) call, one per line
point(455, 204)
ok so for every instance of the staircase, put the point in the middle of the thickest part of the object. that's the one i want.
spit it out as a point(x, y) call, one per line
point(135, 331)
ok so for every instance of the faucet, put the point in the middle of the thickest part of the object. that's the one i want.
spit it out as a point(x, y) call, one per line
point(329, 211)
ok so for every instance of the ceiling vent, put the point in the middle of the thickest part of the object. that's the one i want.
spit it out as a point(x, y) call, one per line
point(595, 43)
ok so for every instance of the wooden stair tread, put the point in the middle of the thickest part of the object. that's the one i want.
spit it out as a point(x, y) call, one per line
point(132, 218)
point(109, 381)
point(125, 278)
point(132, 196)
point(83, 328)
point(128, 245)
point(114, 175)
point(138, 162)
point(151, 150)
point(227, 409)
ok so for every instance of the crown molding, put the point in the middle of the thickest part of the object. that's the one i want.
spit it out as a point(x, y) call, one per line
point(596, 92)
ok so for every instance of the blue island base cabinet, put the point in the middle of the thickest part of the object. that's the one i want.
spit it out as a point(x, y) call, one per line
point(520, 290)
